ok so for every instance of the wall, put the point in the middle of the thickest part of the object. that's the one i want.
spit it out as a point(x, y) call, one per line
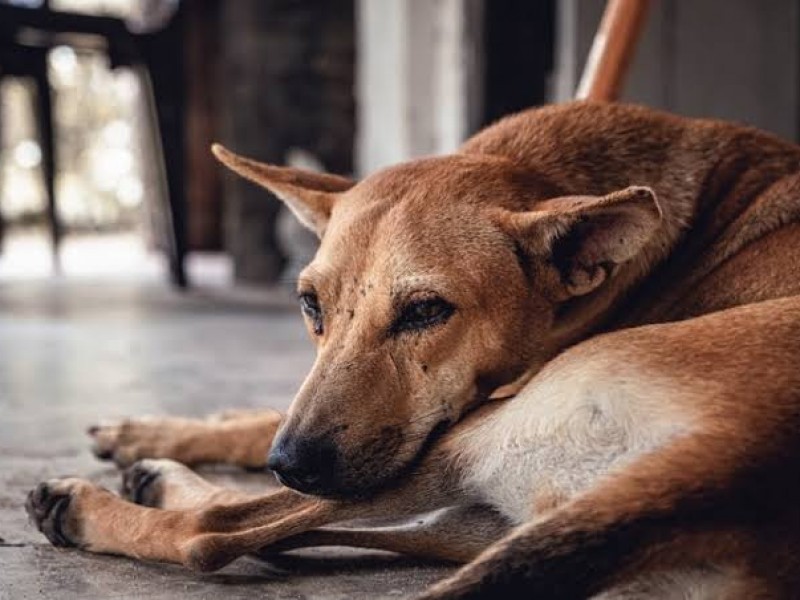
point(732, 59)
point(418, 77)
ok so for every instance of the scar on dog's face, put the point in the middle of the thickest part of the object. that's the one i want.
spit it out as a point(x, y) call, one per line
point(435, 286)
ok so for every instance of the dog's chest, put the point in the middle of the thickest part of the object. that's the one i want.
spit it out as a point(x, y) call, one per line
point(557, 439)
point(527, 475)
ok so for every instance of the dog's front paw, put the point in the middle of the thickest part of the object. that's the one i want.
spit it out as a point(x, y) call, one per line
point(53, 506)
point(164, 483)
point(124, 442)
point(142, 483)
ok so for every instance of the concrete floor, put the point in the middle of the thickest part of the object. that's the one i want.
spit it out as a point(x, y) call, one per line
point(75, 351)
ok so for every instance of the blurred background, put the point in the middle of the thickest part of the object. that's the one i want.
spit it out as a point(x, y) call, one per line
point(108, 108)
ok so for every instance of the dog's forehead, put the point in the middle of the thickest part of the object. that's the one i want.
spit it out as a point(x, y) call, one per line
point(416, 220)
point(455, 187)
point(436, 180)
point(398, 247)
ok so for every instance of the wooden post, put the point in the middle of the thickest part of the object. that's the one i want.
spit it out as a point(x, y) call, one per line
point(612, 50)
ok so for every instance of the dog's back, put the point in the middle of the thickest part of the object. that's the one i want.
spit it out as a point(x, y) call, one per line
point(732, 194)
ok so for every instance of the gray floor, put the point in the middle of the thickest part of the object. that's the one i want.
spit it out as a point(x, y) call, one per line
point(73, 352)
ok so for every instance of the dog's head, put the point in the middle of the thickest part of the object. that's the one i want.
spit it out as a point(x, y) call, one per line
point(437, 283)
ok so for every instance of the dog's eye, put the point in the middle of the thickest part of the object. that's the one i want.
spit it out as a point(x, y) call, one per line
point(309, 304)
point(421, 314)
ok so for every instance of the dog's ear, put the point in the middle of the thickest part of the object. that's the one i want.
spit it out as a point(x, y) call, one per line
point(309, 195)
point(587, 237)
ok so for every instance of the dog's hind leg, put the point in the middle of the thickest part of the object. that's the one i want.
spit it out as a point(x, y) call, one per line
point(648, 515)
point(240, 438)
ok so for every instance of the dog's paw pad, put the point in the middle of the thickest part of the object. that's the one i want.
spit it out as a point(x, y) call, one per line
point(142, 483)
point(147, 481)
point(49, 507)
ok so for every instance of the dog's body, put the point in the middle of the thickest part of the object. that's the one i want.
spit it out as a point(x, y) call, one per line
point(653, 461)
point(613, 403)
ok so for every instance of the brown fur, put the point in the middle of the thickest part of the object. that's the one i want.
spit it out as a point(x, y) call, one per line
point(544, 230)
point(237, 437)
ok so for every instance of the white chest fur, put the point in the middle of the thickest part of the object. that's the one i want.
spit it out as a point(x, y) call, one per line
point(574, 423)
point(564, 431)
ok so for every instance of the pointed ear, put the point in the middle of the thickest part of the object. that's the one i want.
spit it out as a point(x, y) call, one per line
point(586, 238)
point(309, 195)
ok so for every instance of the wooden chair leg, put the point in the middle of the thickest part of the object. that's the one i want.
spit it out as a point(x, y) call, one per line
point(44, 118)
point(172, 214)
point(612, 50)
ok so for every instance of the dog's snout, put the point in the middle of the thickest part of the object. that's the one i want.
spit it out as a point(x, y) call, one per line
point(306, 465)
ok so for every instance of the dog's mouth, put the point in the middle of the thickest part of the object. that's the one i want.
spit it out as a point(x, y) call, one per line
point(373, 472)
point(390, 477)
point(377, 467)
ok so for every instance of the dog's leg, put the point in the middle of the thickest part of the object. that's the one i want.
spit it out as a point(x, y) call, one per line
point(698, 484)
point(77, 513)
point(456, 534)
point(240, 438)
point(74, 512)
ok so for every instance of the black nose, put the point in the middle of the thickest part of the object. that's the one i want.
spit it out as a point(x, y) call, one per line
point(306, 465)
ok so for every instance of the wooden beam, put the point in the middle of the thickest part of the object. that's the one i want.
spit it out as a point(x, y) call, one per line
point(612, 50)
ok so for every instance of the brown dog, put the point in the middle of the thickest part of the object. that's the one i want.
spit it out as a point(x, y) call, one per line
point(651, 461)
